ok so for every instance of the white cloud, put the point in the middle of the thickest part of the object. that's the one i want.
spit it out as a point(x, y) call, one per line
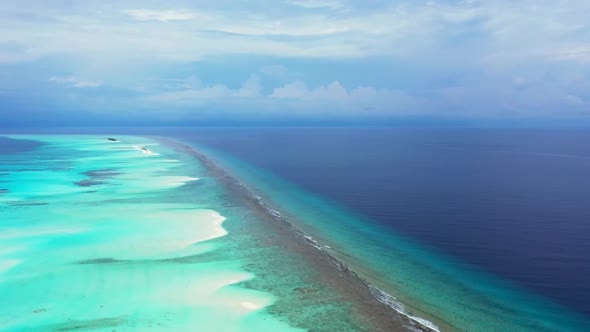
point(529, 31)
point(464, 32)
point(159, 15)
point(315, 4)
point(576, 53)
point(295, 90)
point(332, 96)
point(298, 90)
point(466, 39)
point(250, 89)
point(72, 81)
point(362, 97)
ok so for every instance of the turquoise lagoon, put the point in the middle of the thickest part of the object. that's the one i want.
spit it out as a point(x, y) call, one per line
point(134, 236)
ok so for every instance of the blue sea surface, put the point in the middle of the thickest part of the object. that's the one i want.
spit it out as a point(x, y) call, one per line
point(11, 146)
point(509, 204)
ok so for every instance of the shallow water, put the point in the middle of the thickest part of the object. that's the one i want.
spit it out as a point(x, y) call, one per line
point(102, 236)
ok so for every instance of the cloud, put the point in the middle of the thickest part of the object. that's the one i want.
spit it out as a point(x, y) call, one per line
point(358, 98)
point(459, 32)
point(458, 57)
point(250, 88)
point(74, 82)
point(497, 96)
point(332, 97)
point(577, 53)
point(298, 90)
point(159, 15)
point(526, 31)
point(315, 4)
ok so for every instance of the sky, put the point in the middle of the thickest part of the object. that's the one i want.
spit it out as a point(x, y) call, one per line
point(131, 62)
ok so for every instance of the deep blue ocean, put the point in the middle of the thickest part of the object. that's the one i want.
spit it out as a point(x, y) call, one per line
point(514, 202)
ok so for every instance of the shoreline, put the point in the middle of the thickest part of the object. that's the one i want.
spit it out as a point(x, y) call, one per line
point(383, 311)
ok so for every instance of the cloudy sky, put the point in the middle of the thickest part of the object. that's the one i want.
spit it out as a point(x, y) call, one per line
point(494, 62)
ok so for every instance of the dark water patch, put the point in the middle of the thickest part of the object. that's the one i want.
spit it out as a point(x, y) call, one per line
point(29, 204)
point(4, 191)
point(214, 256)
point(88, 183)
point(101, 173)
point(91, 324)
point(112, 139)
point(190, 259)
point(13, 146)
point(7, 171)
point(100, 261)
point(67, 169)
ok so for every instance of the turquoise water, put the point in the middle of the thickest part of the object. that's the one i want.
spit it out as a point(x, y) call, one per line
point(134, 236)
point(430, 284)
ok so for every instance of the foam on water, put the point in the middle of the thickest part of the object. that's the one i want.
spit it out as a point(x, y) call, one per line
point(399, 307)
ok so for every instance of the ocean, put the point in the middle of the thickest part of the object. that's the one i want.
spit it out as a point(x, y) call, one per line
point(466, 229)
point(482, 229)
